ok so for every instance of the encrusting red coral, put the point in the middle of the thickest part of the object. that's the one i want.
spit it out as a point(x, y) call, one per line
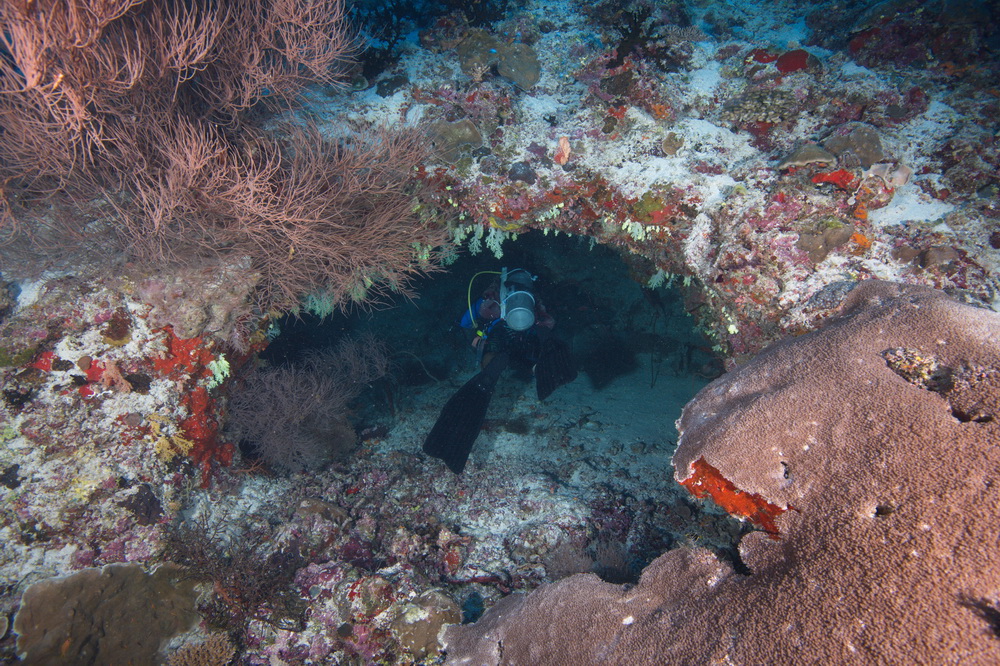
point(842, 178)
point(186, 360)
point(201, 427)
point(43, 361)
point(188, 356)
point(792, 61)
point(706, 481)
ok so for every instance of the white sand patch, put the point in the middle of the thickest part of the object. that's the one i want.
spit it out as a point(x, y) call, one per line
point(909, 204)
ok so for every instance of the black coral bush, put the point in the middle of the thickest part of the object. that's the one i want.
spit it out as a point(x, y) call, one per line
point(294, 417)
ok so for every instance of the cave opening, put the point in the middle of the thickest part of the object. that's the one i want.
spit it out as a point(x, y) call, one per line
point(580, 481)
point(619, 327)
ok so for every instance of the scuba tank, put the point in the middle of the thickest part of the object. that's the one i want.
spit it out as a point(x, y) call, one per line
point(517, 302)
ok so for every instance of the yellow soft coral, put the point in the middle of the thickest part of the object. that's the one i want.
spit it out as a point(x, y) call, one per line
point(167, 447)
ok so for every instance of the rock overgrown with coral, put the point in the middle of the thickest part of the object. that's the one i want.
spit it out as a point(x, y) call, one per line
point(872, 474)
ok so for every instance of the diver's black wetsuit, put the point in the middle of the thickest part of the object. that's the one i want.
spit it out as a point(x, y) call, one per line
point(462, 417)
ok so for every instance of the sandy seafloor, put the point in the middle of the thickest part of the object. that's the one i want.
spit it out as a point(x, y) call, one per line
point(589, 465)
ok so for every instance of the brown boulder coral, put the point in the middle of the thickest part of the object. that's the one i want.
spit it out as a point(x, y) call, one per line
point(876, 444)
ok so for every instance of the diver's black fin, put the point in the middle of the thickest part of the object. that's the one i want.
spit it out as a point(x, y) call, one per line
point(555, 367)
point(462, 417)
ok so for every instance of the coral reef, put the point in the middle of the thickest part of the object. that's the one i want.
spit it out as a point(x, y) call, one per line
point(741, 219)
point(881, 467)
point(479, 52)
point(94, 474)
point(250, 579)
point(215, 650)
point(692, 183)
point(115, 615)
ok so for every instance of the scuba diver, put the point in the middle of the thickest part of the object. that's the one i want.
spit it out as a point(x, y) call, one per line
point(509, 326)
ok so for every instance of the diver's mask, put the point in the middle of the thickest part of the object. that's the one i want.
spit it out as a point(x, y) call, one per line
point(517, 303)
